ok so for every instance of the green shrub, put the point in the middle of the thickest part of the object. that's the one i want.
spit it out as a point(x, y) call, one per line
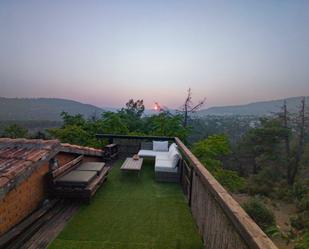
point(230, 179)
point(259, 213)
point(300, 190)
point(264, 182)
point(273, 231)
point(300, 221)
point(296, 222)
point(303, 241)
point(303, 204)
point(213, 147)
point(15, 131)
point(210, 152)
point(282, 192)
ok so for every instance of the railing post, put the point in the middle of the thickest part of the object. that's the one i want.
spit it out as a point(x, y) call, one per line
point(190, 188)
point(181, 171)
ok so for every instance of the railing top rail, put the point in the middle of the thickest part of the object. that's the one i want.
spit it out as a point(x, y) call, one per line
point(101, 136)
point(254, 237)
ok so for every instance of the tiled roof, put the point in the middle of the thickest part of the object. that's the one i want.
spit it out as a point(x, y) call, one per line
point(19, 157)
point(88, 151)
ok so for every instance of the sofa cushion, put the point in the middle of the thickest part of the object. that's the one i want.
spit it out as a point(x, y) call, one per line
point(172, 151)
point(162, 156)
point(76, 178)
point(164, 166)
point(160, 145)
point(174, 158)
point(172, 146)
point(151, 153)
point(91, 166)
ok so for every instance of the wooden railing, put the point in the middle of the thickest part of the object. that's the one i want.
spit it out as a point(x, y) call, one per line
point(221, 221)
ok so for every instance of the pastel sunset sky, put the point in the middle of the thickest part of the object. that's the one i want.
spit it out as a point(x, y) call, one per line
point(106, 52)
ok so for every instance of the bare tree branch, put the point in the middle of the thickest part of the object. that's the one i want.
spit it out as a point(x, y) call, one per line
point(187, 107)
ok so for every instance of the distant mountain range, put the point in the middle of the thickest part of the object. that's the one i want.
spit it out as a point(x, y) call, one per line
point(257, 109)
point(43, 108)
point(50, 108)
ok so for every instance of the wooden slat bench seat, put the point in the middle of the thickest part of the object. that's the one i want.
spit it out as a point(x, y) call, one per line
point(92, 166)
point(97, 182)
point(77, 179)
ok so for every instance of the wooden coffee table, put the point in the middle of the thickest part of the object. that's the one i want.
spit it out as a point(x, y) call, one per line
point(132, 165)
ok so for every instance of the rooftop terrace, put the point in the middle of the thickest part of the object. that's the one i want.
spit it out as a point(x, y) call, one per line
point(133, 211)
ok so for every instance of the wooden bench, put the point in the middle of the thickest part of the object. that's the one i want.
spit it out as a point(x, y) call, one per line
point(77, 180)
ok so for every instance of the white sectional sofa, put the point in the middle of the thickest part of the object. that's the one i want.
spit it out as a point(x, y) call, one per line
point(166, 160)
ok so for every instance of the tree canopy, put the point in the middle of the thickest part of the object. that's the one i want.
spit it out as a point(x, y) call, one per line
point(211, 151)
point(15, 131)
point(129, 120)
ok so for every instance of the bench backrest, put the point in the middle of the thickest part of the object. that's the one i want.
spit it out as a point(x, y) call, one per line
point(64, 169)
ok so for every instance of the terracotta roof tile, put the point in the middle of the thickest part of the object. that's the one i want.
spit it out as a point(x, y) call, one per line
point(3, 181)
point(81, 149)
point(17, 156)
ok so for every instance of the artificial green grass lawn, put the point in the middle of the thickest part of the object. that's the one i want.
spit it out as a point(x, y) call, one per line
point(132, 212)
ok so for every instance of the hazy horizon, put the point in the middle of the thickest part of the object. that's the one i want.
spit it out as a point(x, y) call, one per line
point(106, 52)
point(204, 107)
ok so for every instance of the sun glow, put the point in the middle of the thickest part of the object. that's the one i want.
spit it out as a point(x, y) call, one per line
point(157, 106)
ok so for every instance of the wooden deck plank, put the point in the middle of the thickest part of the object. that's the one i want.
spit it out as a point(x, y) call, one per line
point(50, 230)
point(19, 242)
point(16, 231)
point(45, 229)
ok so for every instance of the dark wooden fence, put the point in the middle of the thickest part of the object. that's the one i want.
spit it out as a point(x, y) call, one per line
point(221, 221)
point(129, 145)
